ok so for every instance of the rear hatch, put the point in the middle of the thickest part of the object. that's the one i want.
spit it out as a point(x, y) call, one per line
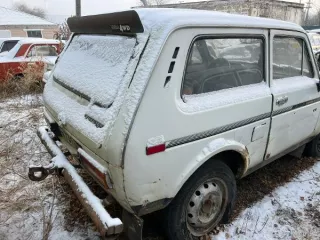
point(89, 82)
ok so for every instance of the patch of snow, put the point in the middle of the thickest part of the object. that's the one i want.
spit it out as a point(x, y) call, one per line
point(25, 205)
point(60, 161)
point(95, 65)
point(75, 110)
point(46, 76)
point(142, 74)
point(171, 19)
point(281, 214)
point(292, 84)
point(154, 141)
point(205, 101)
point(95, 163)
point(13, 17)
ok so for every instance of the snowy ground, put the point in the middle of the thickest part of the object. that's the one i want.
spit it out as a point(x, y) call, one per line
point(290, 212)
point(33, 210)
point(280, 201)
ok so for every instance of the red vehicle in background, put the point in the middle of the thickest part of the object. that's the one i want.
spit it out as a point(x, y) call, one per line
point(38, 54)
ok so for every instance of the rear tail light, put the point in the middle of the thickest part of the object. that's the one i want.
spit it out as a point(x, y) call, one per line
point(95, 168)
point(155, 149)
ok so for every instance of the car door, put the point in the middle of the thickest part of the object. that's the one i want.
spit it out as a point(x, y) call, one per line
point(294, 88)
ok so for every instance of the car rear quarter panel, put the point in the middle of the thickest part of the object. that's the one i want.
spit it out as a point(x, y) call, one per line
point(159, 176)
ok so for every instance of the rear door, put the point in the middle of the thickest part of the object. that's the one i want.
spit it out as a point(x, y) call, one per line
point(295, 95)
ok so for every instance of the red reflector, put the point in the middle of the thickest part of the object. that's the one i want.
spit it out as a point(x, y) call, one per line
point(156, 149)
point(100, 176)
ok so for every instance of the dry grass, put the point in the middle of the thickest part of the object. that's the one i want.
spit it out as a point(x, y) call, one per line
point(29, 82)
point(22, 201)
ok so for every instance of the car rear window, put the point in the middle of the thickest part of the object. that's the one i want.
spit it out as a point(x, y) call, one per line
point(93, 66)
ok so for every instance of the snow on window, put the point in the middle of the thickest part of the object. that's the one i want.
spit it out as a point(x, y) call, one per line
point(95, 65)
point(205, 101)
point(75, 109)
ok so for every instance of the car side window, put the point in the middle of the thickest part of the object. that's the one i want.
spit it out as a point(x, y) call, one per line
point(226, 62)
point(42, 51)
point(290, 58)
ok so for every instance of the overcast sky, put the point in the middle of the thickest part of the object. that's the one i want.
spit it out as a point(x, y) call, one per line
point(66, 7)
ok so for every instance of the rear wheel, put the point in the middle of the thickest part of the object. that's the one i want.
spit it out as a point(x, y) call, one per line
point(313, 148)
point(205, 200)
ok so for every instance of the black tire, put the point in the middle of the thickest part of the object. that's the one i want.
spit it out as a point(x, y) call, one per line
point(176, 224)
point(313, 148)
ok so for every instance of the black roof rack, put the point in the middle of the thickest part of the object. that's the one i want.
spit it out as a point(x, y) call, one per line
point(126, 22)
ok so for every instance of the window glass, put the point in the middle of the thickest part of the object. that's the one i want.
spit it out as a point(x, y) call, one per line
point(290, 56)
point(7, 46)
point(220, 63)
point(34, 33)
point(42, 51)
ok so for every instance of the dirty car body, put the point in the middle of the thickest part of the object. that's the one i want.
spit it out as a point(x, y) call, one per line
point(148, 115)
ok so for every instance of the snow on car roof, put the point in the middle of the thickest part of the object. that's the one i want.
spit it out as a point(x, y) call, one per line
point(38, 40)
point(12, 17)
point(11, 38)
point(172, 18)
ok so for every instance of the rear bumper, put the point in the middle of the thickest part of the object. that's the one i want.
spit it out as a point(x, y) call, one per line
point(106, 225)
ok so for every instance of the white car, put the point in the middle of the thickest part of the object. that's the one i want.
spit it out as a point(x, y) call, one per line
point(164, 116)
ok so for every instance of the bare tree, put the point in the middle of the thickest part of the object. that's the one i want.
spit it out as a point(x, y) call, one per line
point(63, 32)
point(152, 2)
point(144, 2)
point(22, 7)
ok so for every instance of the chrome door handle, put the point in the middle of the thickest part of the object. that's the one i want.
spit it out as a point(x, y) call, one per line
point(282, 100)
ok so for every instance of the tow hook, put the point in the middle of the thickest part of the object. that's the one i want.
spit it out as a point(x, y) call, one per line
point(39, 173)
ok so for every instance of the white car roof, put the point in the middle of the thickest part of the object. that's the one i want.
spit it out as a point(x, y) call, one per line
point(11, 38)
point(172, 18)
point(38, 40)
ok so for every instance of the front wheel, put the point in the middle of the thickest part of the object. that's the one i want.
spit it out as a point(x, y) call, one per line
point(205, 200)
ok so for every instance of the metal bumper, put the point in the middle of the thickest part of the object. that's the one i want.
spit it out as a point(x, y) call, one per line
point(107, 226)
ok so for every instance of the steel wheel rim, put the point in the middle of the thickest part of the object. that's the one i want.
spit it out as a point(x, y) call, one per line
point(206, 206)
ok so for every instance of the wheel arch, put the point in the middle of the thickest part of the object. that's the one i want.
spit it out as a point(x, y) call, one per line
point(232, 153)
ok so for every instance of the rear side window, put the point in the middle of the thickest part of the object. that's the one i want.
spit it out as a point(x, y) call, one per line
point(7, 46)
point(220, 63)
point(291, 58)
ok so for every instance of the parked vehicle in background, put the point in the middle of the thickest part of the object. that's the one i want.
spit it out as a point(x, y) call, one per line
point(315, 41)
point(6, 44)
point(167, 108)
point(40, 53)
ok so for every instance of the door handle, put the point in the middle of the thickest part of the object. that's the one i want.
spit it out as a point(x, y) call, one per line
point(282, 100)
